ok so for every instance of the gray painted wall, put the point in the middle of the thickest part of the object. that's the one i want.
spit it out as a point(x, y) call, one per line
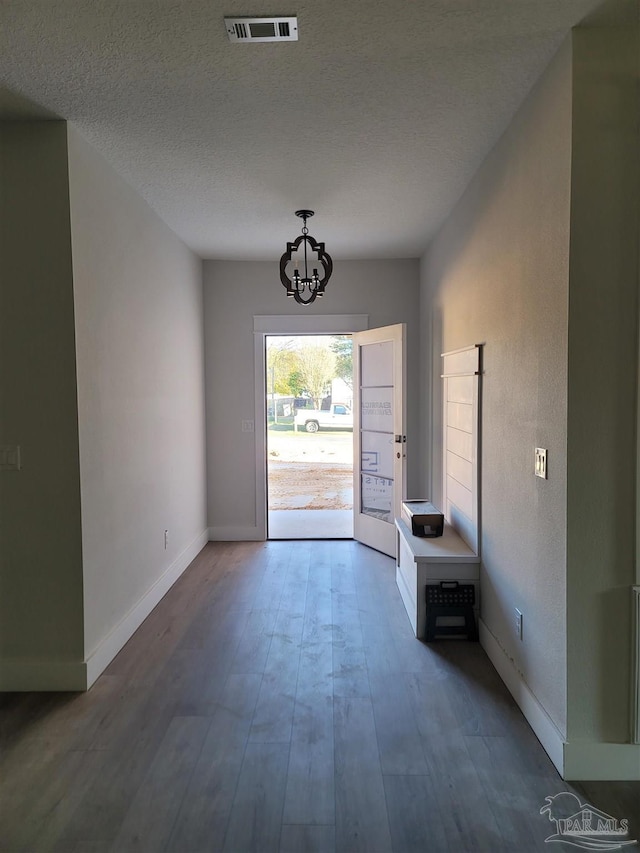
point(603, 311)
point(40, 549)
point(497, 274)
point(539, 261)
point(140, 356)
point(235, 291)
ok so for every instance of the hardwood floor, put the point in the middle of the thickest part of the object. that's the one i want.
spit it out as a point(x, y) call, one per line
point(276, 700)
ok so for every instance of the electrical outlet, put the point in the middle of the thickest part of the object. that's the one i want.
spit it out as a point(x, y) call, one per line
point(518, 624)
point(10, 457)
point(166, 539)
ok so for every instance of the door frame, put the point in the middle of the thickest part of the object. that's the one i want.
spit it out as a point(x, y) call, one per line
point(285, 324)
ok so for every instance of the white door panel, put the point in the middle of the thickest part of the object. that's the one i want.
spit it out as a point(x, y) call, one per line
point(379, 435)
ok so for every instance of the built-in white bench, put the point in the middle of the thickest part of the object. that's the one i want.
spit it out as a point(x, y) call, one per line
point(420, 561)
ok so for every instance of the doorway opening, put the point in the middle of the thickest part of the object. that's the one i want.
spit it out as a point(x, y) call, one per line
point(309, 430)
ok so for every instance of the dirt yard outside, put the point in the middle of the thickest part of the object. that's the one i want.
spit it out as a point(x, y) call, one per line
point(309, 470)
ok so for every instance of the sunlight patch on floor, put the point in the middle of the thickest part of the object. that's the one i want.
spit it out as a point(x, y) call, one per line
point(311, 524)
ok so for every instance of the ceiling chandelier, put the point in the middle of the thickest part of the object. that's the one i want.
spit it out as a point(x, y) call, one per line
point(301, 285)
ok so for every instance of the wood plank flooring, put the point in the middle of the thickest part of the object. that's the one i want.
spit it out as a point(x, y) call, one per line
point(276, 700)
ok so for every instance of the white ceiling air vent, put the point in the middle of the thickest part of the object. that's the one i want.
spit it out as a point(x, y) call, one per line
point(262, 29)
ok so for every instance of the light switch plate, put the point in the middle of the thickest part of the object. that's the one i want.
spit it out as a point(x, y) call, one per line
point(247, 426)
point(541, 463)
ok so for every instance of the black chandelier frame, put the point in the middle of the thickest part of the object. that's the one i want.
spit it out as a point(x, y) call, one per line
point(306, 288)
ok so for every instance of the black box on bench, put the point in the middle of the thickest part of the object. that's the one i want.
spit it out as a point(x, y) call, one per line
point(422, 518)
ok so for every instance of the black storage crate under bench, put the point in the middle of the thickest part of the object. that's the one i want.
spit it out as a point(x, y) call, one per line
point(450, 598)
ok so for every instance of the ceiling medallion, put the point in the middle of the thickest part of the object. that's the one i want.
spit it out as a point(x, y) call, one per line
point(304, 288)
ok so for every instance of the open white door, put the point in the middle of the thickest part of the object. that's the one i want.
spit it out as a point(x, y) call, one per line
point(379, 435)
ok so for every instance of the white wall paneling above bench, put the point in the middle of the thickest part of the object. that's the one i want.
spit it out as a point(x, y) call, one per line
point(461, 376)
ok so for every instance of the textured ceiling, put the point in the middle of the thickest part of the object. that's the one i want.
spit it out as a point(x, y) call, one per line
point(376, 118)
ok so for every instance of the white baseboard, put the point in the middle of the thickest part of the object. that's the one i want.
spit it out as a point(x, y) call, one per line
point(602, 762)
point(236, 534)
point(102, 656)
point(543, 726)
point(43, 676)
